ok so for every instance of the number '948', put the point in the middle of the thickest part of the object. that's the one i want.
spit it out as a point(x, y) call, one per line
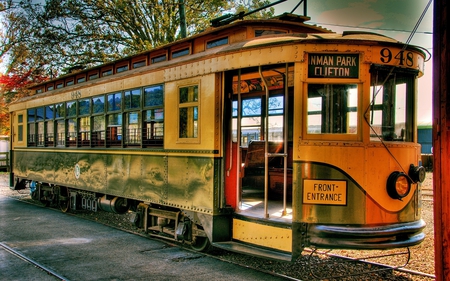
point(403, 57)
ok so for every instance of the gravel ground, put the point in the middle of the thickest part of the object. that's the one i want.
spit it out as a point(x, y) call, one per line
point(422, 256)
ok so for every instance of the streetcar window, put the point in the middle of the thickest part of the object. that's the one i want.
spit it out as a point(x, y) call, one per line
point(85, 129)
point(276, 118)
point(114, 130)
point(188, 112)
point(20, 128)
point(139, 64)
point(84, 107)
point(133, 128)
point(217, 42)
point(115, 101)
point(107, 72)
point(98, 104)
point(20, 133)
point(40, 133)
point(32, 134)
point(132, 99)
point(49, 112)
point(180, 53)
point(71, 139)
point(391, 106)
point(39, 113)
point(332, 109)
point(160, 58)
point(98, 131)
point(49, 133)
point(71, 109)
point(153, 96)
point(154, 126)
point(60, 133)
point(121, 68)
point(93, 76)
point(251, 120)
point(60, 110)
point(31, 113)
point(153, 131)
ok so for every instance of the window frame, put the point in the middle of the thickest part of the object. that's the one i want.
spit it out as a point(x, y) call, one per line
point(150, 124)
point(333, 136)
point(187, 105)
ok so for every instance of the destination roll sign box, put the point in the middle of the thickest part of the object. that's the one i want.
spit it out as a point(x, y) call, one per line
point(333, 65)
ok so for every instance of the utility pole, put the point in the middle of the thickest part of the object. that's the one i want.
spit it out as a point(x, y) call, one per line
point(441, 139)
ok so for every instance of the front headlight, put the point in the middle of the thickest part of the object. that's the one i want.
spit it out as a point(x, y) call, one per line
point(417, 173)
point(398, 185)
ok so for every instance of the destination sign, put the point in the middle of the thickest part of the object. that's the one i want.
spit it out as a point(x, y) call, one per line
point(333, 66)
point(325, 192)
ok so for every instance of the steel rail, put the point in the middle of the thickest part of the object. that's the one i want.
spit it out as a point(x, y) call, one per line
point(287, 277)
point(386, 266)
point(21, 256)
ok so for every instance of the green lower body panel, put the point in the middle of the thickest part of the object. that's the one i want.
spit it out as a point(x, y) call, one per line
point(183, 182)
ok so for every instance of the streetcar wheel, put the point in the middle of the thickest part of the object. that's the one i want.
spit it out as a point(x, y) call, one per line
point(64, 202)
point(200, 243)
point(45, 203)
point(35, 195)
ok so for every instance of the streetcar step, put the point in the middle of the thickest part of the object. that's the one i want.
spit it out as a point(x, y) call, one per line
point(263, 233)
point(252, 251)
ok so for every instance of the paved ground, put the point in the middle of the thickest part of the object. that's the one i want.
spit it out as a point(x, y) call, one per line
point(78, 249)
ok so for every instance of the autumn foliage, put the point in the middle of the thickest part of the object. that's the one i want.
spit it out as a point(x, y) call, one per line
point(12, 87)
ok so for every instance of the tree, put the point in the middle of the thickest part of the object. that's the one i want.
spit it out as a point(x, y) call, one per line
point(46, 39)
point(61, 34)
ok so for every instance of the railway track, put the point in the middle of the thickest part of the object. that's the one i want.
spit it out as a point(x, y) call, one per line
point(299, 270)
point(427, 195)
point(303, 270)
point(333, 267)
point(33, 262)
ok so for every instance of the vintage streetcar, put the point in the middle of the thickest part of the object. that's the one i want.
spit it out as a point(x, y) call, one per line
point(259, 136)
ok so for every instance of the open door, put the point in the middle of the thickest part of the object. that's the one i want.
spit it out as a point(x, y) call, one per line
point(259, 149)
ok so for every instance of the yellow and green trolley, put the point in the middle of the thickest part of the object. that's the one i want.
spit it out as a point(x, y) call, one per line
point(259, 136)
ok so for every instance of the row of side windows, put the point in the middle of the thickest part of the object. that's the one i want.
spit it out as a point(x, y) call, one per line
point(130, 118)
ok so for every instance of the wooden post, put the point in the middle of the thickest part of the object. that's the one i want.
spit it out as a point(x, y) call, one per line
point(441, 136)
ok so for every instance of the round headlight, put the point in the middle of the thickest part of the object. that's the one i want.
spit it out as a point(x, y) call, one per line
point(417, 173)
point(398, 185)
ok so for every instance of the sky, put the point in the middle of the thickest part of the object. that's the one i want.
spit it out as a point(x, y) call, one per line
point(393, 18)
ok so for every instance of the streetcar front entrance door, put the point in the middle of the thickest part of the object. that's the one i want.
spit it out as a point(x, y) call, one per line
point(259, 143)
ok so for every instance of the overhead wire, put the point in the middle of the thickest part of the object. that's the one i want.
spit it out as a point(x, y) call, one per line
point(372, 28)
point(376, 92)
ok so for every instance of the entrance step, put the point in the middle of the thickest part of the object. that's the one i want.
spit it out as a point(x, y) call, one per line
point(260, 237)
point(253, 251)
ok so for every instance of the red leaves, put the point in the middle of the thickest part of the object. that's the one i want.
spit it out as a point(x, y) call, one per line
point(15, 82)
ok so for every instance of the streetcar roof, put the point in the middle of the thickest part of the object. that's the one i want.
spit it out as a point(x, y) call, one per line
point(296, 32)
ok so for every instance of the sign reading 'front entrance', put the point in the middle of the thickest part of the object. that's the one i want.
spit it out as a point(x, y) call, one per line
point(325, 192)
point(333, 65)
